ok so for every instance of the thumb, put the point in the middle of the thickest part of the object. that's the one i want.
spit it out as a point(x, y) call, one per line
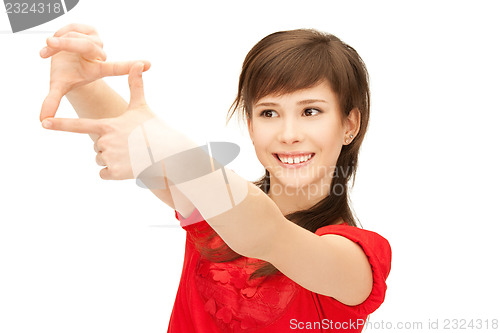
point(51, 103)
point(136, 85)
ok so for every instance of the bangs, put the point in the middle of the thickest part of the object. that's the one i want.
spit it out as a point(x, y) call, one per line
point(284, 70)
point(288, 71)
point(285, 62)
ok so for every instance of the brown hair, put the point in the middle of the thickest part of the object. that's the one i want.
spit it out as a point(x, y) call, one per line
point(284, 62)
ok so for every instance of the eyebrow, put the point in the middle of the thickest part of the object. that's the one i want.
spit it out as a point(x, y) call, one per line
point(303, 102)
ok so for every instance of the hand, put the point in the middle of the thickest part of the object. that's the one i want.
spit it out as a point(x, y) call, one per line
point(112, 144)
point(77, 59)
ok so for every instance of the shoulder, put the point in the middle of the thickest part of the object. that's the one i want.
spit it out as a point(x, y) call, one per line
point(363, 237)
point(378, 252)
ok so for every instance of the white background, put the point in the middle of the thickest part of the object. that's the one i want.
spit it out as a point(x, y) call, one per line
point(79, 254)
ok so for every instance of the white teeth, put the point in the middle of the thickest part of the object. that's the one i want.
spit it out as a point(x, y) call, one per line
point(297, 159)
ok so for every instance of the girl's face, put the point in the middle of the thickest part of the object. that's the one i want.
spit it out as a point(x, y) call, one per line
point(298, 137)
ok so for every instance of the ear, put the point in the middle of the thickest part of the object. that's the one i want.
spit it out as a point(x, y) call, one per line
point(352, 124)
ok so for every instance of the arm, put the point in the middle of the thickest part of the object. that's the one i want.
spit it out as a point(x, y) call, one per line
point(330, 265)
point(253, 225)
point(77, 64)
point(244, 216)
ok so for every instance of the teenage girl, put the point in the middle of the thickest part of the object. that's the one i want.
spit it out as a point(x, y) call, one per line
point(277, 255)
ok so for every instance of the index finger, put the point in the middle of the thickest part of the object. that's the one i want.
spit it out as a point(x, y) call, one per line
point(84, 46)
point(80, 125)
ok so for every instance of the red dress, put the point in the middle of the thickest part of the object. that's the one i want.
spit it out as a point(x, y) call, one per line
point(218, 297)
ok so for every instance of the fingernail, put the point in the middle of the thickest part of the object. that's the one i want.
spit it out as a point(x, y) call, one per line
point(43, 52)
point(54, 41)
point(47, 123)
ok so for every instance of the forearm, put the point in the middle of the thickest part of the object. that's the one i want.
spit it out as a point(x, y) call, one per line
point(250, 225)
point(240, 212)
point(96, 100)
point(244, 216)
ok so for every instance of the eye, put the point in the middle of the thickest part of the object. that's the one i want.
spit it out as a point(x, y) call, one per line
point(313, 110)
point(266, 113)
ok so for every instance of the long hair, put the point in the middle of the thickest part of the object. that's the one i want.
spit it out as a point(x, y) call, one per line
point(284, 62)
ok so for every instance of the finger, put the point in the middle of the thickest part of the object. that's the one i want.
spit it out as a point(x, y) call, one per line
point(73, 34)
point(136, 85)
point(93, 38)
point(48, 51)
point(121, 68)
point(81, 125)
point(99, 160)
point(97, 149)
point(84, 46)
point(51, 103)
point(105, 174)
point(81, 28)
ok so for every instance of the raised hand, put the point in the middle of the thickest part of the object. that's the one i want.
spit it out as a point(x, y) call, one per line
point(77, 58)
point(112, 145)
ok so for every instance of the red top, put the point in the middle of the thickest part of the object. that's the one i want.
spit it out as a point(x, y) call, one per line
point(218, 297)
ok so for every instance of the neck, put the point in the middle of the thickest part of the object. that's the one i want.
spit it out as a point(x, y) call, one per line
point(293, 198)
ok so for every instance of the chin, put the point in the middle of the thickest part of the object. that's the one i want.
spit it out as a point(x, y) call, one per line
point(292, 185)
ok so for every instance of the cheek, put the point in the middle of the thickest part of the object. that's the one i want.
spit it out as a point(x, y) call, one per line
point(262, 141)
point(329, 140)
point(261, 137)
point(261, 145)
point(328, 136)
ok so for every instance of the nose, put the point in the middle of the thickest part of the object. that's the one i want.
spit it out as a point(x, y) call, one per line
point(290, 131)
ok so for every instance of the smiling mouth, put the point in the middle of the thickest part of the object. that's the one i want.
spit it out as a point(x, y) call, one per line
point(294, 160)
